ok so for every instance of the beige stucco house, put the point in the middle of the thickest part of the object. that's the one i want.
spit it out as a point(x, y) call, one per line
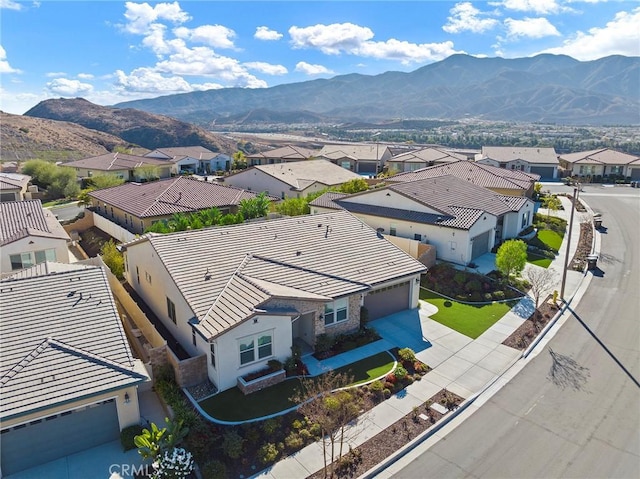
point(365, 159)
point(30, 234)
point(68, 380)
point(539, 161)
point(192, 159)
point(461, 220)
point(243, 294)
point(601, 164)
point(122, 165)
point(285, 154)
point(417, 159)
point(13, 187)
point(136, 206)
point(291, 180)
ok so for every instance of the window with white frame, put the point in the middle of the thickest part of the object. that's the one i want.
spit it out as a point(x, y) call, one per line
point(255, 348)
point(147, 277)
point(212, 347)
point(28, 259)
point(525, 219)
point(336, 311)
point(393, 229)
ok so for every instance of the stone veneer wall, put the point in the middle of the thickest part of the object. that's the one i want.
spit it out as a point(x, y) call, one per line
point(261, 383)
point(189, 372)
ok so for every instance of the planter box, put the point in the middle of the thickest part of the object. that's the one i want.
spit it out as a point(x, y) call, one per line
point(248, 387)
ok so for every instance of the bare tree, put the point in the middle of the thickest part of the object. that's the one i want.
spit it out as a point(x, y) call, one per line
point(331, 409)
point(541, 280)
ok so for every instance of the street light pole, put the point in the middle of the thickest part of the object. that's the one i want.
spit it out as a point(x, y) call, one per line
point(566, 256)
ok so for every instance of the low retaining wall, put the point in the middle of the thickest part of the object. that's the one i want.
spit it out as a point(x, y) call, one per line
point(248, 387)
point(188, 372)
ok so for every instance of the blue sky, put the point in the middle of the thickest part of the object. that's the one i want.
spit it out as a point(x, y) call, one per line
point(109, 51)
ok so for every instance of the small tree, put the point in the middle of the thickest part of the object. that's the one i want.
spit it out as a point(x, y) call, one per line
point(541, 280)
point(511, 257)
point(104, 181)
point(552, 203)
point(239, 161)
point(354, 186)
point(147, 172)
point(113, 259)
point(256, 207)
point(293, 207)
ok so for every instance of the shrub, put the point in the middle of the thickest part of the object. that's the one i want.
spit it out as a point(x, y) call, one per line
point(487, 296)
point(498, 295)
point(128, 434)
point(214, 470)
point(293, 441)
point(473, 286)
point(387, 393)
point(270, 426)
point(407, 354)
point(315, 430)
point(400, 373)
point(305, 434)
point(460, 278)
point(268, 453)
point(232, 444)
point(475, 297)
point(324, 343)
point(297, 424)
point(274, 365)
point(391, 378)
point(376, 387)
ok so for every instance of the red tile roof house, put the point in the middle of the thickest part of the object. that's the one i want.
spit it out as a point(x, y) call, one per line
point(243, 294)
point(68, 379)
point(369, 159)
point(462, 220)
point(30, 234)
point(13, 187)
point(499, 180)
point(192, 159)
point(285, 154)
point(122, 165)
point(603, 163)
point(539, 161)
point(136, 206)
point(417, 159)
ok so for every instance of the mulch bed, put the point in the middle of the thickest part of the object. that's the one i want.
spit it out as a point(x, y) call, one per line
point(92, 239)
point(356, 462)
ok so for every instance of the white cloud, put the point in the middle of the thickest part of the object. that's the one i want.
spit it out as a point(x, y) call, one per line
point(17, 103)
point(466, 17)
point(206, 86)
point(55, 74)
point(141, 15)
point(213, 35)
point(356, 40)
point(541, 7)
point(66, 87)
point(265, 33)
point(617, 37)
point(85, 76)
point(530, 28)
point(309, 69)
point(267, 68)
point(150, 81)
point(10, 5)
point(4, 63)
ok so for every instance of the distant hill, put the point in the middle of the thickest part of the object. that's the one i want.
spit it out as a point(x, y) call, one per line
point(25, 138)
point(544, 88)
point(145, 129)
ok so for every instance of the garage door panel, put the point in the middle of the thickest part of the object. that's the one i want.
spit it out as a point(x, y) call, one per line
point(543, 171)
point(480, 245)
point(58, 436)
point(386, 301)
point(635, 174)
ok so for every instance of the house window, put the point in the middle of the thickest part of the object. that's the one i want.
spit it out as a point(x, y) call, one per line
point(417, 237)
point(255, 347)
point(452, 245)
point(616, 170)
point(171, 311)
point(137, 275)
point(392, 229)
point(282, 195)
point(587, 169)
point(193, 336)
point(28, 259)
point(335, 312)
point(89, 173)
point(147, 277)
point(525, 219)
point(212, 348)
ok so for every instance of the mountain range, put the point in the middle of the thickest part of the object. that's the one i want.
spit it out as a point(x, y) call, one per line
point(544, 88)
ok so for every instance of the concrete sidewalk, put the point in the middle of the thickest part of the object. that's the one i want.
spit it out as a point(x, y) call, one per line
point(460, 364)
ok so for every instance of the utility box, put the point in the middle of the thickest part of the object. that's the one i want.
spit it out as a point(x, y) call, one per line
point(597, 220)
point(592, 260)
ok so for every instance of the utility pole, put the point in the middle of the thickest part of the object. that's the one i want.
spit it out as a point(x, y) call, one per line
point(566, 256)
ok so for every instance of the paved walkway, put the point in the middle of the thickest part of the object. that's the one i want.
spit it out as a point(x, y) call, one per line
point(460, 364)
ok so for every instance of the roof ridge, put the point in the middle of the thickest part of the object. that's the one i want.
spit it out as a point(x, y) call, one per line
point(241, 266)
point(77, 351)
point(20, 365)
point(157, 199)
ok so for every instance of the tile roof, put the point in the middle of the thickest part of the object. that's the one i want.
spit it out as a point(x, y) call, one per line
point(180, 152)
point(114, 162)
point(300, 174)
point(427, 155)
point(546, 156)
point(61, 340)
point(289, 153)
point(365, 152)
point(312, 255)
point(603, 156)
point(19, 219)
point(173, 195)
point(11, 181)
point(327, 200)
point(481, 175)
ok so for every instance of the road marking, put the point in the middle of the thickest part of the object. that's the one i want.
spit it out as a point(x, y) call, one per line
point(530, 409)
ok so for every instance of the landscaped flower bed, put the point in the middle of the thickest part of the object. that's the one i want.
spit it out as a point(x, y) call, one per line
point(328, 346)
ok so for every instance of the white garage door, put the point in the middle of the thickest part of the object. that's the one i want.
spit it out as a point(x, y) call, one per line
point(385, 301)
point(480, 245)
point(57, 436)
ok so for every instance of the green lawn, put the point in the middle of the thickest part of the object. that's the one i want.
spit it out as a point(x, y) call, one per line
point(469, 320)
point(59, 202)
point(550, 238)
point(232, 405)
point(538, 260)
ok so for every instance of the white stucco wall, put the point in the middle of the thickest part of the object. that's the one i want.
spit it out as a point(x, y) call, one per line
point(228, 352)
point(256, 180)
point(390, 199)
point(156, 292)
point(32, 244)
point(512, 224)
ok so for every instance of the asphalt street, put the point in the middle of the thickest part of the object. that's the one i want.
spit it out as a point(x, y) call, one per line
point(574, 409)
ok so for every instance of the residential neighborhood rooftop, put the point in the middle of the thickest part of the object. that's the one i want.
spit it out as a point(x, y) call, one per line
point(480, 175)
point(19, 219)
point(61, 340)
point(11, 181)
point(305, 256)
point(531, 155)
point(174, 195)
point(289, 152)
point(114, 162)
point(428, 155)
point(371, 151)
point(179, 152)
point(604, 156)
